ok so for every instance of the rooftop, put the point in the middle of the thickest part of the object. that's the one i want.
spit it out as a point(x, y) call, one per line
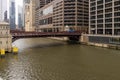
point(4, 23)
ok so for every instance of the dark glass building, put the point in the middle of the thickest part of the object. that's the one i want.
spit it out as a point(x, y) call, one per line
point(20, 25)
point(5, 16)
point(12, 15)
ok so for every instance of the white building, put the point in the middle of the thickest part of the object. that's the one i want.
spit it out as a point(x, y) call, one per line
point(29, 8)
point(5, 37)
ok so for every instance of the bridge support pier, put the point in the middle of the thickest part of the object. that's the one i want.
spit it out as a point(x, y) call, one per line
point(74, 39)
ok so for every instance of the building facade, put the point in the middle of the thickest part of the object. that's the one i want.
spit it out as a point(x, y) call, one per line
point(20, 25)
point(56, 15)
point(6, 16)
point(20, 18)
point(5, 37)
point(104, 17)
point(12, 14)
point(25, 2)
point(29, 15)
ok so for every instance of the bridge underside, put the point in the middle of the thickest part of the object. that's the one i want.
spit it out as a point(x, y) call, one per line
point(21, 34)
point(71, 38)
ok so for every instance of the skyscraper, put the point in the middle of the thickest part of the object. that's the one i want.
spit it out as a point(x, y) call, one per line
point(3, 8)
point(6, 16)
point(27, 1)
point(56, 15)
point(12, 14)
point(20, 17)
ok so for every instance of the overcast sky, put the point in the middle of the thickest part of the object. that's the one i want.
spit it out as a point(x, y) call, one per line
point(19, 2)
point(5, 6)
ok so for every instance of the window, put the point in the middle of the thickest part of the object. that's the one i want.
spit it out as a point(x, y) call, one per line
point(108, 15)
point(108, 20)
point(6, 32)
point(117, 8)
point(100, 21)
point(117, 3)
point(6, 42)
point(100, 7)
point(100, 16)
point(108, 5)
point(108, 10)
point(117, 25)
point(93, 8)
point(108, 0)
point(117, 13)
point(0, 42)
point(108, 25)
point(117, 19)
point(100, 2)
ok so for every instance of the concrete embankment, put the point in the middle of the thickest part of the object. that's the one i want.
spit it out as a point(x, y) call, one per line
point(101, 41)
point(59, 38)
point(105, 41)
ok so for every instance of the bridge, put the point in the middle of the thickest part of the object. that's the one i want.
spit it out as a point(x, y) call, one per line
point(22, 34)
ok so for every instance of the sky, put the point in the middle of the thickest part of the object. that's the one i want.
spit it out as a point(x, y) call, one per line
point(5, 6)
point(17, 3)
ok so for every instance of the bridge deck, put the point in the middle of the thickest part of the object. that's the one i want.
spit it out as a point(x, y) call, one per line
point(44, 34)
point(23, 34)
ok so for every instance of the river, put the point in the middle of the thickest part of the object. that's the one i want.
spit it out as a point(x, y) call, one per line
point(46, 59)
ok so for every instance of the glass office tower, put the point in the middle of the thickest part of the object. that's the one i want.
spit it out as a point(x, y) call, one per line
point(12, 14)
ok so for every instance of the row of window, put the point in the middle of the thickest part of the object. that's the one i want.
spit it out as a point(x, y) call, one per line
point(2, 42)
point(45, 21)
point(106, 6)
point(106, 25)
point(4, 27)
point(107, 31)
point(106, 20)
point(116, 14)
point(101, 1)
point(106, 1)
point(4, 33)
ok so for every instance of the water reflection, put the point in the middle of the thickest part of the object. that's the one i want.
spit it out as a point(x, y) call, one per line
point(2, 60)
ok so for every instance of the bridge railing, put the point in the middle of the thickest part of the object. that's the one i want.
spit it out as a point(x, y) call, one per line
point(23, 33)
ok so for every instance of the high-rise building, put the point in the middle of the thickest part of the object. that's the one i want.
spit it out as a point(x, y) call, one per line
point(12, 14)
point(56, 15)
point(104, 17)
point(24, 4)
point(20, 18)
point(6, 16)
point(29, 8)
point(3, 8)
point(26, 1)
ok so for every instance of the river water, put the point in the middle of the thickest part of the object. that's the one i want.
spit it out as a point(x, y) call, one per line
point(46, 59)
